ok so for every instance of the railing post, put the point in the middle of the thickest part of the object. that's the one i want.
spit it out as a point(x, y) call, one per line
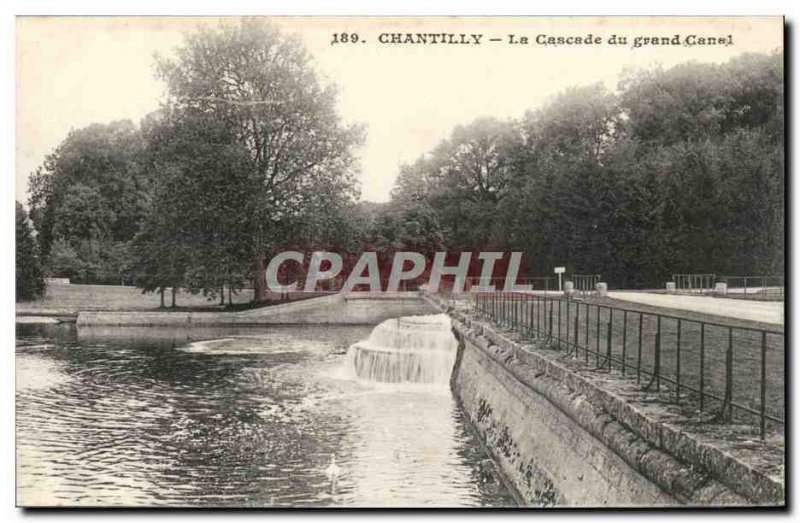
point(702, 362)
point(586, 337)
point(515, 311)
point(658, 354)
point(559, 324)
point(608, 337)
point(597, 340)
point(763, 420)
point(624, 341)
point(678, 366)
point(639, 356)
point(577, 308)
point(530, 316)
point(499, 316)
point(727, 407)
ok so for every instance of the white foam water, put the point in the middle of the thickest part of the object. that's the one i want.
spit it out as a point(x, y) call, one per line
point(412, 349)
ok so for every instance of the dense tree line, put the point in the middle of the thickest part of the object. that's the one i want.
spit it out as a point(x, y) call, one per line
point(681, 170)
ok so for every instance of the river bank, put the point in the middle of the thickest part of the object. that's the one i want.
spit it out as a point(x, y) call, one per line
point(69, 300)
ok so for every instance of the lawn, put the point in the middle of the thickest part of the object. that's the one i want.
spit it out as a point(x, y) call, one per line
point(70, 299)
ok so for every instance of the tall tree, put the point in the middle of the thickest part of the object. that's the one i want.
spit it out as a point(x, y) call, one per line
point(30, 283)
point(259, 87)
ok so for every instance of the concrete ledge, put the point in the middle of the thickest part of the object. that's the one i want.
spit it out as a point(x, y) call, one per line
point(335, 309)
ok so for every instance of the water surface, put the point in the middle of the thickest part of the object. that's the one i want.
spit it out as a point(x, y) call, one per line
point(248, 417)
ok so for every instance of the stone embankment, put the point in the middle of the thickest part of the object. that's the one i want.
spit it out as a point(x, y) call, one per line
point(563, 437)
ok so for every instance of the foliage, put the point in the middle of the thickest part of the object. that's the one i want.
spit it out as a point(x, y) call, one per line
point(30, 283)
point(680, 171)
point(87, 201)
point(251, 157)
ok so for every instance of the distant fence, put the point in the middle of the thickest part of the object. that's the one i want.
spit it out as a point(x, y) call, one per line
point(694, 282)
point(755, 286)
point(541, 284)
point(585, 283)
point(734, 373)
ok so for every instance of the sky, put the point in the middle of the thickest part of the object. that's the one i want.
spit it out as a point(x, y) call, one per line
point(71, 72)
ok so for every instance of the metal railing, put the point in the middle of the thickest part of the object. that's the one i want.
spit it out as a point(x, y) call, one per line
point(736, 373)
point(694, 282)
point(757, 286)
point(585, 283)
point(539, 284)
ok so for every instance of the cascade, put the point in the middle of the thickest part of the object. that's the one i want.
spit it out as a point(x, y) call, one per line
point(415, 349)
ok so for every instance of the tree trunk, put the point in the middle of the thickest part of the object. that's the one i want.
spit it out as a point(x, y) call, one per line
point(162, 297)
point(259, 280)
point(222, 296)
point(230, 301)
point(173, 297)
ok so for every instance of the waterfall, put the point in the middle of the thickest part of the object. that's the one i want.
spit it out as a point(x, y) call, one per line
point(416, 349)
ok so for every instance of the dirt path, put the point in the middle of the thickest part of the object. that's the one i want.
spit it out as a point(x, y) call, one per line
point(761, 311)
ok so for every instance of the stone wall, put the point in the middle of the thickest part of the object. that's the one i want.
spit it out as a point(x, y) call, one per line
point(548, 458)
point(562, 440)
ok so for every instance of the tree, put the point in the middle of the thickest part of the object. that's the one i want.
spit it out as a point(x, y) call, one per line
point(257, 87)
point(560, 192)
point(196, 233)
point(30, 283)
point(465, 179)
point(88, 198)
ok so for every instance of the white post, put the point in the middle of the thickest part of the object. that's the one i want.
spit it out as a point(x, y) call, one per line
point(559, 271)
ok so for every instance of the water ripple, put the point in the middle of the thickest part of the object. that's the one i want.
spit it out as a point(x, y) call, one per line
point(248, 420)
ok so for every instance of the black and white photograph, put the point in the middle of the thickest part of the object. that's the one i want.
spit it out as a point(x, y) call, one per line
point(459, 262)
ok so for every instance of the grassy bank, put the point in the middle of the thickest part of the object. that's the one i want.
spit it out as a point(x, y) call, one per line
point(68, 300)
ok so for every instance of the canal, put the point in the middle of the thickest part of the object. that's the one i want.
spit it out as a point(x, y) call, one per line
point(245, 417)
